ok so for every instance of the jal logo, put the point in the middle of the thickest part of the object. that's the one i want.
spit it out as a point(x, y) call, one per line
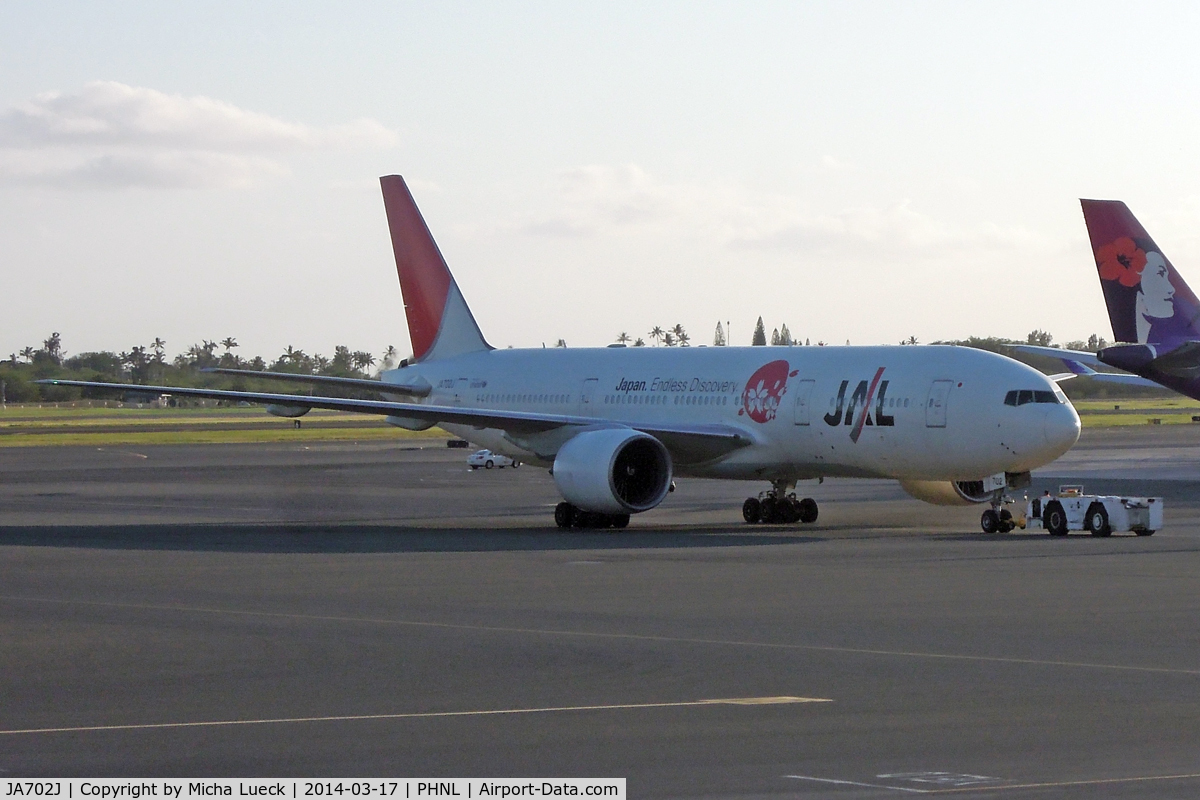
point(764, 391)
point(856, 411)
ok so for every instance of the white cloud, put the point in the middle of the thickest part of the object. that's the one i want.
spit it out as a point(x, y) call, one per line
point(599, 200)
point(110, 135)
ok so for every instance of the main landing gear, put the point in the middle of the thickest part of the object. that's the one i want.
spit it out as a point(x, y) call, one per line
point(568, 516)
point(779, 505)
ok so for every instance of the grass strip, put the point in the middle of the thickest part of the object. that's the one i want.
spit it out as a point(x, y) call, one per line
point(270, 435)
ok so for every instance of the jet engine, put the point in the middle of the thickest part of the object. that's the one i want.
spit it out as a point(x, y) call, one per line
point(952, 493)
point(613, 471)
point(291, 412)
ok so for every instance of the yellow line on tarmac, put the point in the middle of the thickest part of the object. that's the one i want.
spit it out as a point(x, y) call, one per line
point(736, 701)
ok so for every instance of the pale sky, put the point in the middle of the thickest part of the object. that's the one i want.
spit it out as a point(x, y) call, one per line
point(861, 171)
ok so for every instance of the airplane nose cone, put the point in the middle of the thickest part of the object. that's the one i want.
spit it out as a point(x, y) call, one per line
point(1061, 428)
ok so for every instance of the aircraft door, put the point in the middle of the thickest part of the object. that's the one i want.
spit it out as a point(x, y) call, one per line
point(935, 406)
point(804, 390)
point(587, 397)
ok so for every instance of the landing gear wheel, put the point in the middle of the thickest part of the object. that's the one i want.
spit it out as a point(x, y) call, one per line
point(620, 521)
point(808, 510)
point(752, 510)
point(1097, 520)
point(564, 513)
point(768, 512)
point(1006, 521)
point(490, 464)
point(789, 510)
point(990, 521)
point(1054, 519)
point(516, 464)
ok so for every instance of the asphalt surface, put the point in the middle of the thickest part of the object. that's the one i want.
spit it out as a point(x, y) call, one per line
point(206, 610)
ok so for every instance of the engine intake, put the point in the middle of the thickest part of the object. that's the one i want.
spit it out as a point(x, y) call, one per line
point(613, 471)
point(951, 493)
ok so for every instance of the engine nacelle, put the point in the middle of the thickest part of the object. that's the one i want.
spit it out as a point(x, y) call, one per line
point(613, 471)
point(291, 412)
point(955, 493)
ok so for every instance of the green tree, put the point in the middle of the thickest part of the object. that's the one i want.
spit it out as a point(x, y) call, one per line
point(1039, 337)
point(760, 334)
point(52, 347)
point(363, 361)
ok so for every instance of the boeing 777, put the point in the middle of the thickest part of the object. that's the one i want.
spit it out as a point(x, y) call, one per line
point(616, 425)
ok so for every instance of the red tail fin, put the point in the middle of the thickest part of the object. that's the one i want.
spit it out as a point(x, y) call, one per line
point(1147, 300)
point(437, 314)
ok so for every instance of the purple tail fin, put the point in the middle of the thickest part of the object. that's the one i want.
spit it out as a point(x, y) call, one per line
point(1148, 302)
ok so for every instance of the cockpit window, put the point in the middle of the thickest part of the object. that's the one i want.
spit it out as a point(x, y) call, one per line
point(1019, 397)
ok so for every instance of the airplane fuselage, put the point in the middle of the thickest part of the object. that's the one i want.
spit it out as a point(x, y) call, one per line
point(921, 412)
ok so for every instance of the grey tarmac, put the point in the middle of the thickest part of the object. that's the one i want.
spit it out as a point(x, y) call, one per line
point(380, 610)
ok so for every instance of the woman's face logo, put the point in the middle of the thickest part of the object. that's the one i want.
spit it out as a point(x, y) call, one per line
point(1157, 292)
point(1146, 273)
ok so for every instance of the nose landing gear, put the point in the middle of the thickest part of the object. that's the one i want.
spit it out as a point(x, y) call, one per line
point(779, 505)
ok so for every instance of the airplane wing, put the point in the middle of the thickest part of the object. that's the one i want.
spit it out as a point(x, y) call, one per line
point(1081, 363)
point(688, 444)
point(1078, 356)
point(326, 380)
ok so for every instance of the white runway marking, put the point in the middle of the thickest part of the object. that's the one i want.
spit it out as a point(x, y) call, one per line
point(858, 783)
point(635, 637)
point(972, 789)
point(735, 701)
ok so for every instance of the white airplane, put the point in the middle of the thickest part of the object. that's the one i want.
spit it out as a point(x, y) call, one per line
point(616, 425)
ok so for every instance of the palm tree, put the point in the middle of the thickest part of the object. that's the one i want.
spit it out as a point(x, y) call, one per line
point(657, 335)
point(681, 335)
point(363, 360)
point(623, 338)
point(669, 339)
point(389, 356)
point(27, 354)
point(639, 342)
point(53, 347)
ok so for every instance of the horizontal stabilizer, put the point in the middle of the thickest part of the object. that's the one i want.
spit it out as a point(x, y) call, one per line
point(1081, 363)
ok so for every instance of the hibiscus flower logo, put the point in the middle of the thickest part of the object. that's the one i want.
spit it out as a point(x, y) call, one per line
point(1121, 261)
point(764, 391)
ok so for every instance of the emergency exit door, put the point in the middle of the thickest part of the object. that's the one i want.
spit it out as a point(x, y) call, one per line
point(935, 406)
point(587, 397)
point(804, 390)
